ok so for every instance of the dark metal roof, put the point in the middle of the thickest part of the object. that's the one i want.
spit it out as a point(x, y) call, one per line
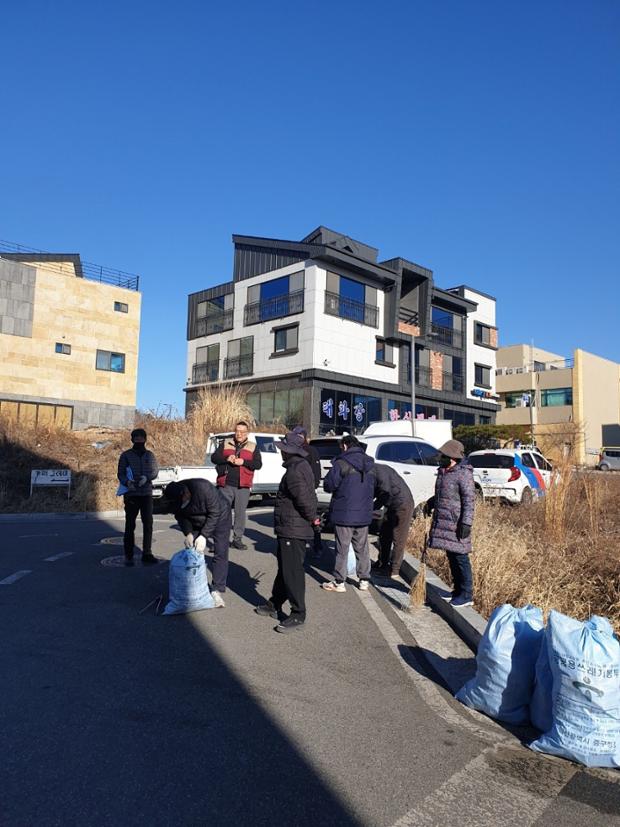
point(454, 300)
point(399, 265)
point(461, 287)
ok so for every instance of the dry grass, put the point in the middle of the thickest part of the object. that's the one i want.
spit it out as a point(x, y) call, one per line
point(175, 441)
point(561, 553)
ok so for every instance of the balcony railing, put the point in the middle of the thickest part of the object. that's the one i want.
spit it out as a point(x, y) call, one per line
point(274, 308)
point(452, 382)
point(205, 372)
point(239, 366)
point(422, 376)
point(447, 336)
point(336, 305)
point(215, 323)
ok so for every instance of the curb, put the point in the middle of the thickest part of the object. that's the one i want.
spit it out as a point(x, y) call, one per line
point(467, 623)
point(55, 516)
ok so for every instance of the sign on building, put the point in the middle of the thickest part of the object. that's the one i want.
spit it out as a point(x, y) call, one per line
point(53, 477)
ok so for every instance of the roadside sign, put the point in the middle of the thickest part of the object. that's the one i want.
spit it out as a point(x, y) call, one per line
point(51, 477)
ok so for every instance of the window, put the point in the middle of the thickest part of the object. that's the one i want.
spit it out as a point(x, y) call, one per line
point(527, 460)
point(284, 407)
point(240, 360)
point(274, 299)
point(213, 315)
point(447, 327)
point(285, 340)
point(384, 353)
point(483, 376)
point(484, 420)
point(542, 463)
point(107, 360)
point(459, 417)
point(555, 397)
point(429, 455)
point(207, 367)
point(482, 334)
point(491, 460)
point(405, 452)
point(352, 300)
point(121, 307)
point(62, 348)
point(518, 399)
point(266, 445)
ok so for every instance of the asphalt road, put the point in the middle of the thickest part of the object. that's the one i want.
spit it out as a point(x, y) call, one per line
point(112, 715)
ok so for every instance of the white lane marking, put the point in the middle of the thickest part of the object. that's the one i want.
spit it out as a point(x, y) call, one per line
point(24, 536)
point(12, 578)
point(502, 785)
point(55, 557)
point(427, 689)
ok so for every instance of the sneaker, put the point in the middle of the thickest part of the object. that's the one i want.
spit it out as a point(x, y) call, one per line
point(461, 601)
point(218, 600)
point(238, 544)
point(332, 586)
point(447, 596)
point(394, 575)
point(149, 560)
point(363, 585)
point(267, 610)
point(291, 624)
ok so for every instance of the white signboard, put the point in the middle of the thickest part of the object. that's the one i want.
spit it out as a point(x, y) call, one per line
point(53, 477)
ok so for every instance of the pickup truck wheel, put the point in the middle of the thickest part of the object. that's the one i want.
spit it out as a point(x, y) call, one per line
point(603, 467)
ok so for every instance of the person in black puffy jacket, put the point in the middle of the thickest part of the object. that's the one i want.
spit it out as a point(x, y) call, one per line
point(295, 514)
point(392, 492)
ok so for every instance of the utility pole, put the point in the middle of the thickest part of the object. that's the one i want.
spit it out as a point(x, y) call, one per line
point(412, 369)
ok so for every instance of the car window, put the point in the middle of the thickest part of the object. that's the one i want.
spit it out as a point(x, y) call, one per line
point(542, 463)
point(266, 445)
point(327, 448)
point(527, 460)
point(614, 454)
point(430, 455)
point(491, 460)
point(406, 452)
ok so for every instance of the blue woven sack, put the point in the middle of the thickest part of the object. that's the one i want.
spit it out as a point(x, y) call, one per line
point(584, 662)
point(505, 664)
point(188, 584)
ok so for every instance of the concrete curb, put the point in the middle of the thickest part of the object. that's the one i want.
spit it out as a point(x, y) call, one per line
point(467, 623)
point(55, 516)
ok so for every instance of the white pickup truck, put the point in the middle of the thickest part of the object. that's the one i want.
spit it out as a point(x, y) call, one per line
point(266, 480)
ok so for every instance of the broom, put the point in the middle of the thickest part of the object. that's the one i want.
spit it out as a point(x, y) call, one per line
point(417, 593)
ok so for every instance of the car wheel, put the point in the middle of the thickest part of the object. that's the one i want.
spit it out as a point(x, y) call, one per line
point(603, 467)
point(526, 497)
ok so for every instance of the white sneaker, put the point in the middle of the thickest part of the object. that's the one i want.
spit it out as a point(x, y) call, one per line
point(363, 585)
point(218, 600)
point(332, 586)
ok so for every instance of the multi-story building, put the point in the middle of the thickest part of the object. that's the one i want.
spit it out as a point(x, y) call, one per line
point(571, 405)
point(320, 331)
point(68, 341)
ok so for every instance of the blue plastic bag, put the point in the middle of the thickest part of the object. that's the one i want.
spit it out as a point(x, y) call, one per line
point(188, 584)
point(351, 562)
point(505, 664)
point(122, 489)
point(584, 661)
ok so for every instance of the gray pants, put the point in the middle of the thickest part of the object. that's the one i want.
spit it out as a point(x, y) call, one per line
point(345, 536)
point(238, 499)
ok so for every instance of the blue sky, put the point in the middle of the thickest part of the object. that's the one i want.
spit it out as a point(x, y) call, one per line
point(479, 139)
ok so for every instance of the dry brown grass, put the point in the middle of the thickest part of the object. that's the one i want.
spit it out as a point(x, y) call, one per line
point(175, 441)
point(561, 553)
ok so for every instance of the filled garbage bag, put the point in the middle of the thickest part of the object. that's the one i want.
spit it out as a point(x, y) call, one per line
point(188, 584)
point(351, 562)
point(584, 661)
point(505, 664)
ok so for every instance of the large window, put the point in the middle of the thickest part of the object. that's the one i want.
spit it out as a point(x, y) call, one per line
point(447, 327)
point(482, 334)
point(518, 399)
point(285, 340)
point(276, 298)
point(342, 411)
point(402, 410)
point(240, 359)
point(107, 360)
point(408, 452)
point(207, 367)
point(214, 315)
point(459, 417)
point(482, 376)
point(352, 300)
point(556, 396)
point(285, 407)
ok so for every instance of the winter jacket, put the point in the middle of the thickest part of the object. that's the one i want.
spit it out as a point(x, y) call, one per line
point(236, 476)
point(315, 463)
point(204, 511)
point(142, 465)
point(351, 482)
point(296, 503)
point(453, 506)
point(391, 490)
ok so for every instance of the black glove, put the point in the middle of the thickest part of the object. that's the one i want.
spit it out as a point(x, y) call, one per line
point(429, 507)
point(463, 531)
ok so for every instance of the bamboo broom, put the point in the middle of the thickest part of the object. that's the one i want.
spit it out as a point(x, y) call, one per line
point(417, 593)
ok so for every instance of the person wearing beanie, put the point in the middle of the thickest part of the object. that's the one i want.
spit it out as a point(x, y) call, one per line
point(137, 468)
point(452, 509)
point(295, 514)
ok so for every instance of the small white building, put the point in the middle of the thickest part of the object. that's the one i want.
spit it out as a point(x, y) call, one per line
point(321, 332)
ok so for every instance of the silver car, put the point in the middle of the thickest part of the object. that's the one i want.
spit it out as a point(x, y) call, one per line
point(609, 459)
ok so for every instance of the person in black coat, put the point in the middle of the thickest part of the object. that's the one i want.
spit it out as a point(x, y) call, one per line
point(392, 492)
point(201, 512)
point(295, 514)
point(314, 460)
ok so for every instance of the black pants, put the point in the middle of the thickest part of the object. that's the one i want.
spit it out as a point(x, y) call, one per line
point(462, 577)
point(133, 507)
point(395, 529)
point(290, 582)
point(221, 541)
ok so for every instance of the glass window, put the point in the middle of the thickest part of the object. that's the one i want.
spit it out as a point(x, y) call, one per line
point(285, 339)
point(210, 307)
point(482, 334)
point(398, 409)
point(266, 407)
point(280, 405)
point(405, 452)
point(491, 460)
point(276, 287)
point(483, 376)
point(63, 348)
point(542, 463)
point(380, 351)
point(517, 399)
point(429, 455)
point(350, 289)
point(443, 318)
point(253, 402)
point(459, 417)
point(556, 396)
point(106, 360)
point(266, 445)
point(328, 449)
point(527, 460)
point(485, 420)
point(296, 406)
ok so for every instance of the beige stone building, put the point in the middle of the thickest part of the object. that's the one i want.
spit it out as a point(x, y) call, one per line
point(572, 405)
point(69, 337)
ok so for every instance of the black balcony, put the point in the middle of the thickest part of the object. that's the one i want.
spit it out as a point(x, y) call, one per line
point(274, 308)
point(422, 376)
point(205, 372)
point(239, 366)
point(447, 336)
point(452, 382)
point(336, 305)
point(214, 323)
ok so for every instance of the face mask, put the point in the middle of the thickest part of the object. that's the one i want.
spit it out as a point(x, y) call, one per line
point(139, 447)
point(444, 462)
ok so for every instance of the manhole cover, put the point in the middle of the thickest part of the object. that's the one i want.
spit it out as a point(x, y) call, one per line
point(112, 541)
point(118, 562)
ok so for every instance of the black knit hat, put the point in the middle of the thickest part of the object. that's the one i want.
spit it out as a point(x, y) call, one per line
point(138, 433)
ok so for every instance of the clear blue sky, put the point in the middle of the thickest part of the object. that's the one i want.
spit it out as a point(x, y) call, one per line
point(480, 139)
